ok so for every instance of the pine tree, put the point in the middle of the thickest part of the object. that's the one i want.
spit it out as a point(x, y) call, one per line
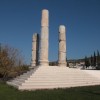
point(94, 60)
point(91, 60)
point(87, 63)
point(98, 58)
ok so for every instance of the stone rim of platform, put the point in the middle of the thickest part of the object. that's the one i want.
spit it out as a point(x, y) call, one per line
point(32, 84)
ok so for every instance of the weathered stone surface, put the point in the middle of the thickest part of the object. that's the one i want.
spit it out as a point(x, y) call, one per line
point(34, 38)
point(62, 57)
point(62, 46)
point(44, 33)
point(44, 46)
point(45, 18)
point(62, 36)
point(34, 55)
point(62, 29)
point(35, 47)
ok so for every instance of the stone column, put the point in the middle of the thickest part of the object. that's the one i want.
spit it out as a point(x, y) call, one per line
point(62, 46)
point(35, 49)
point(44, 38)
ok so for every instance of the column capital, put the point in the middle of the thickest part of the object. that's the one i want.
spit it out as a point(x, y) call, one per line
point(45, 17)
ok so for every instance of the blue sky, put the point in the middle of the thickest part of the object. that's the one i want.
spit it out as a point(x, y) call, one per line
point(20, 19)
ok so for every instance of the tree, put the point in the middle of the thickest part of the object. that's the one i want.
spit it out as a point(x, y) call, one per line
point(94, 60)
point(9, 58)
point(98, 58)
point(91, 60)
point(87, 63)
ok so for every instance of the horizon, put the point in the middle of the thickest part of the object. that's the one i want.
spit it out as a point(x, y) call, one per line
point(20, 19)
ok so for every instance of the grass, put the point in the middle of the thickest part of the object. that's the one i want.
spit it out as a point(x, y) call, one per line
point(79, 93)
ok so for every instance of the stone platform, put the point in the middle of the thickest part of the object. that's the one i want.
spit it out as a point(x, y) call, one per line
point(50, 77)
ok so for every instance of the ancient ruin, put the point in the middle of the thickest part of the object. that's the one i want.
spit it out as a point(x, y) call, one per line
point(44, 41)
point(62, 46)
point(35, 50)
point(50, 77)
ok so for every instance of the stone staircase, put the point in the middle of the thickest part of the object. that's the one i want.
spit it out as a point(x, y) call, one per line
point(50, 77)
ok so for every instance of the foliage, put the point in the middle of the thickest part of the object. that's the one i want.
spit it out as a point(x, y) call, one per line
point(53, 63)
point(11, 61)
point(91, 60)
point(98, 58)
point(87, 63)
point(94, 60)
point(67, 64)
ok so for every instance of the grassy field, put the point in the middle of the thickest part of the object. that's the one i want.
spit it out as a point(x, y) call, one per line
point(80, 93)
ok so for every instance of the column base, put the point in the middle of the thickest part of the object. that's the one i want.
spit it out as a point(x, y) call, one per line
point(43, 63)
point(33, 64)
point(62, 64)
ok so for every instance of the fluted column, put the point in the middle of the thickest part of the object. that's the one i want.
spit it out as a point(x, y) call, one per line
point(62, 46)
point(44, 46)
point(35, 49)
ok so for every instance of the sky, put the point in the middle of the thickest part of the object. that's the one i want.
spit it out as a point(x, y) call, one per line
point(20, 19)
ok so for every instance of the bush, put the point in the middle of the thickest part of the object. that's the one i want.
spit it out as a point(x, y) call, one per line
point(11, 62)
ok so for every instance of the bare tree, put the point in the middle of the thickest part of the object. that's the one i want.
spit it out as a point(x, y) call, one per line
point(9, 58)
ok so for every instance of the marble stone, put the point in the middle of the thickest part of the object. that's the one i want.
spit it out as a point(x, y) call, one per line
point(62, 46)
point(44, 44)
point(35, 50)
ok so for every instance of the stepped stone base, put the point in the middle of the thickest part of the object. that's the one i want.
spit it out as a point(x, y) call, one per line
point(51, 77)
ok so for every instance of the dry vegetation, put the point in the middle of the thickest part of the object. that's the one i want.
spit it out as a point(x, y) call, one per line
point(11, 62)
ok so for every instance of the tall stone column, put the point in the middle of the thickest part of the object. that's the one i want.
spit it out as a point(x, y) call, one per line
point(44, 38)
point(35, 50)
point(62, 46)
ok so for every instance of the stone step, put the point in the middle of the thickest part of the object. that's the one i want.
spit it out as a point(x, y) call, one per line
point(24, 75)
point(73, 80)
point(21, 81)
point(47, 77)
point(43, 77)
point(50, 79)
point(13, 84)
point(17, 83)
point(28, 73)
point(57, 83)
point(35, 87)
point(55, 76)
point(55, 80)
point(43, 83)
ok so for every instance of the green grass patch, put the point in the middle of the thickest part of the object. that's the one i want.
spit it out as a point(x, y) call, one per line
point(79, 93)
